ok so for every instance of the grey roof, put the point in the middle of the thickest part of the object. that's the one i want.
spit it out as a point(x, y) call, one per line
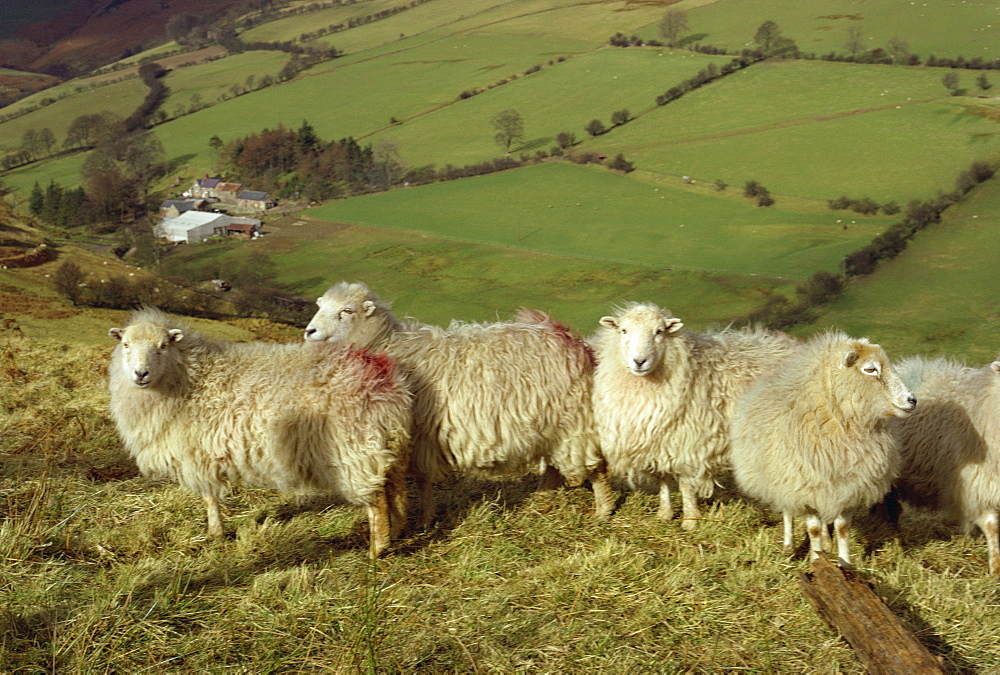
point(208, 183)
point(253, 195)
point(182, 205)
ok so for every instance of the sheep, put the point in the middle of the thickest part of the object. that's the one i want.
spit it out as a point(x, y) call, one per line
point(663, 397)
point(209, 414)
point(951, 444)
point(497, 398)
point(811, 438)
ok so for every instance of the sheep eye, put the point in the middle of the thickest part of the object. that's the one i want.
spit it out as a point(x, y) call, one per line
point(871, 369)
point(347, 310)
point(659, 331)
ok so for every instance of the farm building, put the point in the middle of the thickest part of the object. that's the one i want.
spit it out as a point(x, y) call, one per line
point(172, 208)
point(205, 187)
point(195, 226)
point(226, 192)
point(258, 201)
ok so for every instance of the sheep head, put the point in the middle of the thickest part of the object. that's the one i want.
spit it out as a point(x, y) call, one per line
point(642, 334)
point(346, 315)
point(145, 349)
point(875, 382)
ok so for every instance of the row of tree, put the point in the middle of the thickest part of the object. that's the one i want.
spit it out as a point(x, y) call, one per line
point(781, 312)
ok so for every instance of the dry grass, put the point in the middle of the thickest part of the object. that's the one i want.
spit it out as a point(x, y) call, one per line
point(102, 570)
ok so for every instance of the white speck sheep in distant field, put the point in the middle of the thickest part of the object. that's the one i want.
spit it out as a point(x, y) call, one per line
point(498, 398)
point(951, 444)
point(209, 414)
point(811, 438)
point(663, 397)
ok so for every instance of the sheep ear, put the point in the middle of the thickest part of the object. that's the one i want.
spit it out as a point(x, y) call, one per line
point(674, 325)
point(996, 367)
point(116, 333)
point(609, 322)
point(369, 307)
point(850, 358)
point(176, 334)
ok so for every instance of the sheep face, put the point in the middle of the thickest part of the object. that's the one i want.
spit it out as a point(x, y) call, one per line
point(339, 318)
point(642, 332)
point(145, 351)
point(870, 363)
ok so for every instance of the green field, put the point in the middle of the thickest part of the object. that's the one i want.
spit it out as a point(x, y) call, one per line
point(563, 208)
point(964, 27)
point(939, 296)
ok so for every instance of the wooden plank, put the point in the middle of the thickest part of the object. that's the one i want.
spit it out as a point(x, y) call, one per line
point(881, 641)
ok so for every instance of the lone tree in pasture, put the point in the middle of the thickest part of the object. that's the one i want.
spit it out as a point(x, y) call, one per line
point(898, 49)
point(672, 25)
point(619, 163)
point(767, 36)
point(950, 82)
point(509, 129)
point(68, 279)
point(595, 127)
point(855, 45)
point(983, 82)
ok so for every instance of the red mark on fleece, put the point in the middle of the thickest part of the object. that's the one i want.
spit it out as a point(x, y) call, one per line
point(379, 369)
point(560, 330)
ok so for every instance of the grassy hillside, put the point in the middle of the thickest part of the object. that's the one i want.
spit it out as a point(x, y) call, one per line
point(939, 296)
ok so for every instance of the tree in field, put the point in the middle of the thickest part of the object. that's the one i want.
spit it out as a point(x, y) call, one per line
point(983, 82)
point(565, 139)
point(509, 128)
point(767, 35)
point(67, 279)
point(855, 45)
point(30, 144)
point(672, 25)
point(595, 127)
point(215, 143)
point(950, 82)
point(898, 49)
point(36, 202)
point(620, 117)
point(619, 163)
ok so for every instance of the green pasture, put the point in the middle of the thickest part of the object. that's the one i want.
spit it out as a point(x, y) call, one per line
point(212, 79)
point(589, 211)
point(561, 98)
point(816, 130)
point(959, 27)
point(438, 279)
point(121, 98)
point(360, 98)
point(292, 26)
point(64, 170)
point(939, 296)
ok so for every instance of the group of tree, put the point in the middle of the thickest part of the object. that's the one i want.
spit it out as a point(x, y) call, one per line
point(707, 74)
point(865, 205)
point(754, 190)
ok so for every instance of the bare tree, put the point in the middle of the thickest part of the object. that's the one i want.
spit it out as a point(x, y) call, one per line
point(509, 129)
point(673, 23)
point(855, 45)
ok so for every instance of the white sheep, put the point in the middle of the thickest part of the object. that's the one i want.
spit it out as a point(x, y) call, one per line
point(497, 398)
point(663, 397)
point(811, 438)
point(951, 444)
point(210, 414)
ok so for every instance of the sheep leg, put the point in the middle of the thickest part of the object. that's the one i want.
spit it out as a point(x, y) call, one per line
point(689, 500)
point(788, 541)
point(815, 528)
point(991, 528)
point(428, 507)
point(395, 485)
point(214, 517)
point(604, 496)
point(379, 526)
point(825, 539)
point(842, 527)
point(666, 511)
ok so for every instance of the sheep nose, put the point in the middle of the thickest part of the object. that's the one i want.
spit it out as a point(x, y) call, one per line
point(639, 362)
point(912, 400)
point(141, 374)
point(310, 331)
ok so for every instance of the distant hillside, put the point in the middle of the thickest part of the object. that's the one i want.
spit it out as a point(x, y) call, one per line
point(90, 33)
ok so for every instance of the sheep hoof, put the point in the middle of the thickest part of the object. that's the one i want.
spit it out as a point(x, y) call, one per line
point(689, 524)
